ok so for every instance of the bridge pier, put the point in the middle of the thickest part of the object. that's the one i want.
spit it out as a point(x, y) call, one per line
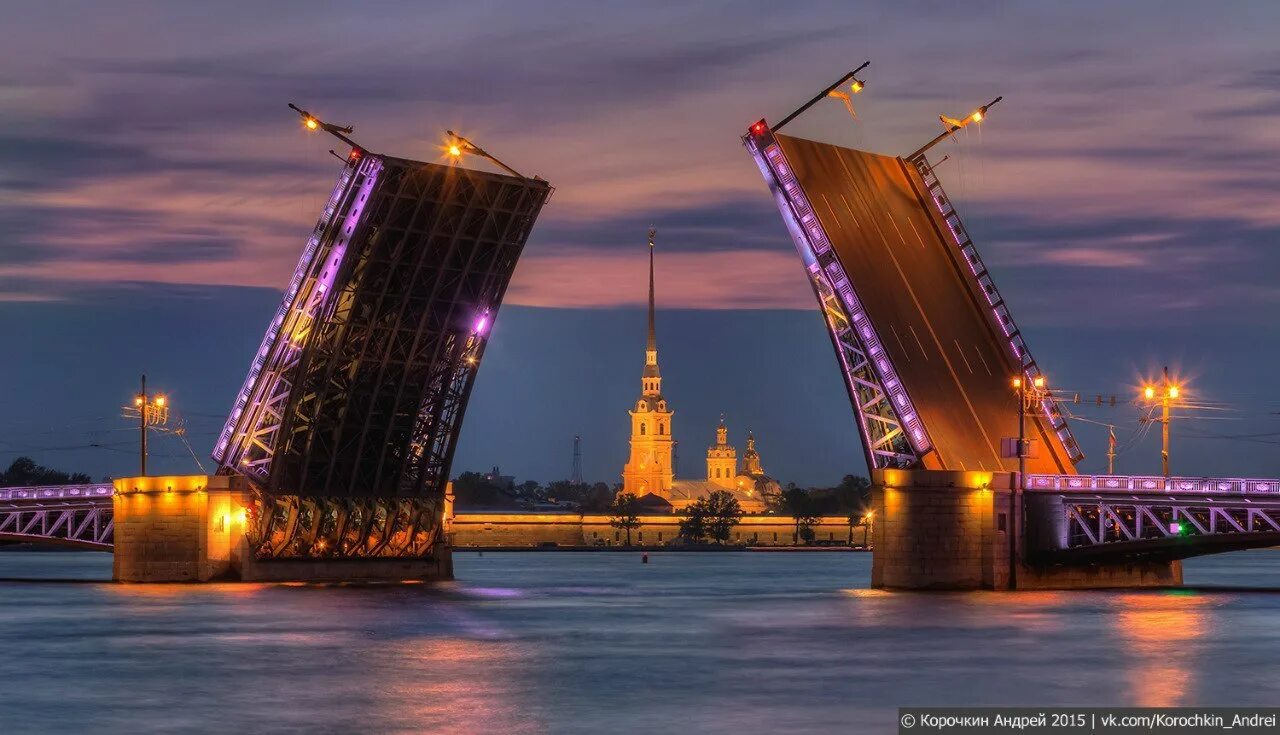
point(186, 528)
point(939, 529)
point(192, 528)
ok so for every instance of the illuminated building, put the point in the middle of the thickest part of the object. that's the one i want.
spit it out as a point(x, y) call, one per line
point(649, 473)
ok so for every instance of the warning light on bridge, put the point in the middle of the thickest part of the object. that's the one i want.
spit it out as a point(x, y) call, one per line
point(759, 128)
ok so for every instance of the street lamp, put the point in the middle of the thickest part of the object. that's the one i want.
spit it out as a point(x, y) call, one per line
point(1026, 394)
point(459, 145)
point(1167, 394)
point(152, 411)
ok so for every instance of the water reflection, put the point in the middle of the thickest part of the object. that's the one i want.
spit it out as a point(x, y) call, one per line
point(1160, 635)
point(457, 684)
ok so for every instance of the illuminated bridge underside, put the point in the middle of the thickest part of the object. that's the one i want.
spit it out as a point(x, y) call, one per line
point(348, 419)
point(1088, 517)
point(65, 515)
point(923, 337)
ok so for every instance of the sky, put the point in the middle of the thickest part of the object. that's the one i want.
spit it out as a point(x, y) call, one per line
point(155, 193)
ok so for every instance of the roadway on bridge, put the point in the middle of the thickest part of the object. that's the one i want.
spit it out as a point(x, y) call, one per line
point(942, 341)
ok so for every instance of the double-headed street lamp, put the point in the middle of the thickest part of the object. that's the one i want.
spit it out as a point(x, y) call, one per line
point(153, 410)
point(1166, 394)
point(1027, 394)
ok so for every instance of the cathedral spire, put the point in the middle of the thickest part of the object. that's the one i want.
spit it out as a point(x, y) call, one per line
point(653, 337)
point(652, 383)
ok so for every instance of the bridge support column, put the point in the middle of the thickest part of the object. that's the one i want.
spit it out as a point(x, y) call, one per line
point(192, 529)
point(186, 528)
point(939, 529)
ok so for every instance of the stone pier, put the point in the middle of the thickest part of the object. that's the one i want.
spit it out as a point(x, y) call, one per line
point(938, 529)
point(192, 528)
point(184, 528)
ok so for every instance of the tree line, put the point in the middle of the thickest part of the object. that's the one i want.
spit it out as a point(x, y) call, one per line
point(24, 472)
point(711, 519)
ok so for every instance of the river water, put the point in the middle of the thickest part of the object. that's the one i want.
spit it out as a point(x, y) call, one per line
point(598, 642)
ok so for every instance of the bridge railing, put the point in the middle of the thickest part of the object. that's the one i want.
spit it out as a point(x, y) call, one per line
point(99, 490)
point(1153, 484)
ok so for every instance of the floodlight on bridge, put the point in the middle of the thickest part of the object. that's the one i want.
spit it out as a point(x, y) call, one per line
point(459, 145)
point(952, 125)
point(832, 90)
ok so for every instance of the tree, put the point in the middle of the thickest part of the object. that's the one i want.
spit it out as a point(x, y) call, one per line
point(24, 471)
point(472, 489)
point(723, 513)
point(853, 493)
point(711, 518)
point(694, 525)
point(598, 498)
point(529, 489)
point(800, 505)
point(860, 517)
point(624, 513)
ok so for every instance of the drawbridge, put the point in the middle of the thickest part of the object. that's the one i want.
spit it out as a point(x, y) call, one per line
point(928, 350)
point(924, 340)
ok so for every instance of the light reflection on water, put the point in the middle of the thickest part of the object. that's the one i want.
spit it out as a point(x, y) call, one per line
point(1163, 633)
point(531, 643)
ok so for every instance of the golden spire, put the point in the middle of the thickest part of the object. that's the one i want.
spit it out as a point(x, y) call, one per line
point(651, 348)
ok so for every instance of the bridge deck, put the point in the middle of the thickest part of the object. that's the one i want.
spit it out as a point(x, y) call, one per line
point(935, 326)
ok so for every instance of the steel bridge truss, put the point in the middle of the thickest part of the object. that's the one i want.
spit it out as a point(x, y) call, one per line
point(1167, 516)
point(349, 417)
point(299, 527)
point(891, 430)
point(1096, 522)
point(249, 439)
point(70, 515)
point(389, 370)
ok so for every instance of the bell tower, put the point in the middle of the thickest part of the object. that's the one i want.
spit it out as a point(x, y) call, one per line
point(751, 458)
point(649, 468)
point(722, 459)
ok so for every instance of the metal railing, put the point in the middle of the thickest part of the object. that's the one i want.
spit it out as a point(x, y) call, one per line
point(1153, 484)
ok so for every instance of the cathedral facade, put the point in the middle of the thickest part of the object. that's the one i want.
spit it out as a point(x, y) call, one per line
point(648, 473)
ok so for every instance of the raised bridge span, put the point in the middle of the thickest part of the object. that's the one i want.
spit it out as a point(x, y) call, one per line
point(924, 340)
point(928, 348)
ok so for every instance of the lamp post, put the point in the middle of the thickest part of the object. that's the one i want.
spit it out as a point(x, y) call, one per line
point(151, 410)
point(866, 526)
point(1037, 388)
point(459, 145)
point(1026, 394)
point(1167, 393)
